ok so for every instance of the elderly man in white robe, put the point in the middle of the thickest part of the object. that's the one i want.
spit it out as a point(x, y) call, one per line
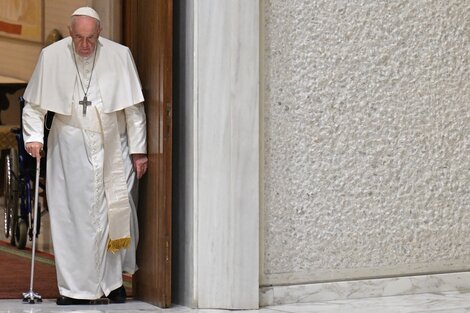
point(96, 152)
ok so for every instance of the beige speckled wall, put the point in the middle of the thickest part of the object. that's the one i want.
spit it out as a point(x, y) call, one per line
point(366, 113)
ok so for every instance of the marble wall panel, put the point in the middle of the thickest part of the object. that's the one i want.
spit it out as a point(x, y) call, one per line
point(227, 153)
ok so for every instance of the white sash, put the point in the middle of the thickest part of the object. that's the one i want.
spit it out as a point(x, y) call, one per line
point(115, 184)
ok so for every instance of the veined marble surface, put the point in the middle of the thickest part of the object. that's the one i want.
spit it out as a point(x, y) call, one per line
point(337, 291)
point(227, 158)
point(446, 302)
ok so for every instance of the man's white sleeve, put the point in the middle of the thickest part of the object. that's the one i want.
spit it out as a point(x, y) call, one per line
point(33, 123)
point(136, 128)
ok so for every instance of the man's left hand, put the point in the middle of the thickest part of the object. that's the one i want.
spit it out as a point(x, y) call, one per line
point(139, 161)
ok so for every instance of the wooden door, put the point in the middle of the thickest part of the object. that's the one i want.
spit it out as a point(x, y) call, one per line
point(148, 31)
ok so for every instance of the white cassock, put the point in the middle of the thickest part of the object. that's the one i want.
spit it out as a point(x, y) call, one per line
point(77, 163)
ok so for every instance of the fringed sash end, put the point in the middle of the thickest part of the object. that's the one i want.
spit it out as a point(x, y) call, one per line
point(117, 244)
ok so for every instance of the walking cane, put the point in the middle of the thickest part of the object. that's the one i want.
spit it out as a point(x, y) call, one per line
point(31, 296)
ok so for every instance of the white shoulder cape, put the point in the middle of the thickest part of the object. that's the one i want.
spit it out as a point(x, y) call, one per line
point(52, 84)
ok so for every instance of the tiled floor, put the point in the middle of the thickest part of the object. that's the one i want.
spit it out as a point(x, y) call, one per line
point(451, 302)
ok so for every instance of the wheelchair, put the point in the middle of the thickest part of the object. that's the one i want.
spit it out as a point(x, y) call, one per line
point(19, 171)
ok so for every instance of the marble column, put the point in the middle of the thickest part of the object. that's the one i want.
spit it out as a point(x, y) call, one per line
point(216, 154)
point(226, 86)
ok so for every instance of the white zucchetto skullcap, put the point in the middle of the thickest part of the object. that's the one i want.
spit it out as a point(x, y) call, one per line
point(87, 11)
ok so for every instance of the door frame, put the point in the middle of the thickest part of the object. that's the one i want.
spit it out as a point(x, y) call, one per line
point(151, 45)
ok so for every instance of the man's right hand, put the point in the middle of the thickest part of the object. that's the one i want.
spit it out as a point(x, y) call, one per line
point(34, 149)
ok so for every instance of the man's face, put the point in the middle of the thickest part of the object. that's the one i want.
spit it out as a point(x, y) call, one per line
point(84, 31)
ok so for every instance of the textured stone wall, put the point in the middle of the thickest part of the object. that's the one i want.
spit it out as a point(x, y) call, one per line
point(366, 118)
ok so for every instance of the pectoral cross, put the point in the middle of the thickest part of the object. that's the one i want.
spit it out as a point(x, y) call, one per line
point(85, 103)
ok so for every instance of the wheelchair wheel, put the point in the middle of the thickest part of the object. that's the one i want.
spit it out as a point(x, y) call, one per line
point(11, 194)
point(21, 233)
